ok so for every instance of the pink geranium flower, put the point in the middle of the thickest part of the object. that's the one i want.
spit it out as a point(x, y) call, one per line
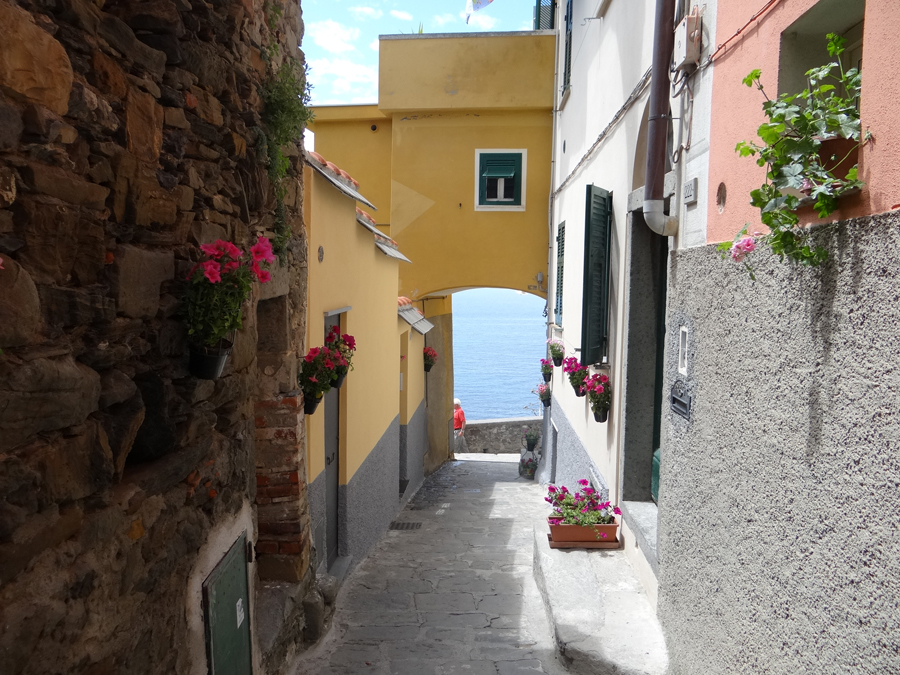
point(212, 271)
point(264, 276)
point(262, 251)
point(212, 250)
point(230, 266)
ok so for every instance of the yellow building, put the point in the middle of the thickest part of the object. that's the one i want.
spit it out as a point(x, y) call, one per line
point(456, 156)
point(366, 441)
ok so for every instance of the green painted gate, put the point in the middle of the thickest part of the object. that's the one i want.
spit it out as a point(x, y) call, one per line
point(226, 609)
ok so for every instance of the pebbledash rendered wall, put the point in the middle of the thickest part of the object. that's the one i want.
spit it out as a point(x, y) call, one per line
point(778, 533)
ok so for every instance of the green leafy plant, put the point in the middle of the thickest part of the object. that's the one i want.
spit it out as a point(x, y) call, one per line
point(317, 371)
point(430, 356)
point(531, 435)
point(557, 348)
point(218, 287)
point(599, 391)
point(580, 508)
point(792, 151)
point(285, 96)
point(345, 346)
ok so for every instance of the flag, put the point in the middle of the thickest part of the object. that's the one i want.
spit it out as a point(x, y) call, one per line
point(473, 6)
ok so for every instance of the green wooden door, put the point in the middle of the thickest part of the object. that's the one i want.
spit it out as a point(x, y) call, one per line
point(226, 606)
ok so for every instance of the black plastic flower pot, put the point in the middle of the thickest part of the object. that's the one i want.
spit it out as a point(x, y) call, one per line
point(207, 363)
point(557, 361)
point(601, 416)
point(546, 402)
point(340, 380)
point(530, 445)
point(310, 403)
point(547, 376)
point(428, 367)
point(578, 391)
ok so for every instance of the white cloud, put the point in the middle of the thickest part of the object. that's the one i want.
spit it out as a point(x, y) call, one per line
point(528, 25)
point(444, 19)
point(341, 80)
point(397, 14)
point(480, 21)
point(366, 13)
point(332, 36)
point(374, 45)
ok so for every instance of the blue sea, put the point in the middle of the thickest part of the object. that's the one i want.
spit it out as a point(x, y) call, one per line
point(498, 343)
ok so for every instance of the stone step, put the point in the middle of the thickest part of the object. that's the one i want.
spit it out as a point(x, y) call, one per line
point(601, 619)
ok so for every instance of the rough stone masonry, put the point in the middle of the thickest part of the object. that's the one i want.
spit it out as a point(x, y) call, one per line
point(128, 136)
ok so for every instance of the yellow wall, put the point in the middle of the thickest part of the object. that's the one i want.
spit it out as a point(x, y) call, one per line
point(433, 217)
point(344, 136)
point(353, 273)
point(413, 368)
point(471, 71)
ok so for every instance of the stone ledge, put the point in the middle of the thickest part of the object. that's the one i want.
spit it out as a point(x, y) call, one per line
point(641, 518)
point(601, 620)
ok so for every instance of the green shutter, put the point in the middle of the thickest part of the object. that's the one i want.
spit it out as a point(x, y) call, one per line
point(567, 71)
point(560, 255)
point(506, 165)
point(595, 293)
point(226, 605)
point(543, 14)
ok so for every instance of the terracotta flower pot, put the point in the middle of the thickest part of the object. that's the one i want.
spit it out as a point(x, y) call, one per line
point(582, 533)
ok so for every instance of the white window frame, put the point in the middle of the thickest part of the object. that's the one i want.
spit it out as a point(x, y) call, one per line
point(499, 204)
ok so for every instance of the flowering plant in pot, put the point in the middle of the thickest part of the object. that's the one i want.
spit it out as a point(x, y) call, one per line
point(557, 350)
point(316, 376)
point(544, 393)
point(599, 393)
point(581, 516)
point(577, 374)
point(531, 436)
point(430, 356)
point(213, 301)
point(342, 347)
point(546, 369)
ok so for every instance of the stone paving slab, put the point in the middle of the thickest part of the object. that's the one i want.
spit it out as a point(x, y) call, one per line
point(455, 597)
point(601, 618)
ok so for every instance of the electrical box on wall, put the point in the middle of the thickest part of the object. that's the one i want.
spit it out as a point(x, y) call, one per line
point(688, 42)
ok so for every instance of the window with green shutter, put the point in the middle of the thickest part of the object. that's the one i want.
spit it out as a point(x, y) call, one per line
point(560, 255)
point(500, 179)
point(544, 11)
point(567, 69)
point(595, 292)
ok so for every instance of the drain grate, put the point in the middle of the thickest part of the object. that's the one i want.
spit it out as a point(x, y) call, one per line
point(396, 525)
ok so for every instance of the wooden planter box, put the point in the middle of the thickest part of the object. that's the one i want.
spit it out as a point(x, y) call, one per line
point(579, 536)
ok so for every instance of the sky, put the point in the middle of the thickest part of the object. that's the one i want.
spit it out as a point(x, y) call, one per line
point(341, 40)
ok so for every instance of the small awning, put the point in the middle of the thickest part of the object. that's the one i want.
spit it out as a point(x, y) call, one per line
point(346, 189)
point(414, 318)
point(382, 243)
point(390, 251)
point(499, 171)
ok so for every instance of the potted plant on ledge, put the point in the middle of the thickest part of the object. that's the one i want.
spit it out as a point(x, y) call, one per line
point(546, 369)
point(316, 376)
point(544, 393)
point(430, 356)
point(557, 350)
point(581, 520)
point(342, 347)
point(577, 374)
point(599, 393)
point(213, 303)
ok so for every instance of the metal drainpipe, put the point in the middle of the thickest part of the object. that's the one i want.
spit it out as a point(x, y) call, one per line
point(555, 113)
point(658, 122)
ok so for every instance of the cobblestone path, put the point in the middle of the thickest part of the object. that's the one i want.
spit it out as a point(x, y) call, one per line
point(456, 595)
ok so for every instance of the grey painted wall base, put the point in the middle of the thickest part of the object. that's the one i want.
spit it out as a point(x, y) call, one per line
point(778, 540)
point(568, 455)
point(413, 448)
point(369, 502)
point(315, 493)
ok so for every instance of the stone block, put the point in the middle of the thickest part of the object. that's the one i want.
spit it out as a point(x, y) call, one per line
point(63, 307)
point(49, 230)
point(20, 306)
point(63, 185)
point(121, 423)
point(115, 387)
point(137, 276)
point(107, 76)
point(314, 614)
point(280, 567)
point(73, 468)
point(14, 557)
point(45, 394)
point(143, 125)
point(208, 106)
point(174, 117)
point(10, 125)
point(117, 33)
point(152, 16)
point(158, 476)
point(33, 65)
point(278, 285)
point(92, 109)
point(205, 232)
point(156, 436)
point(204, 60)
point(167, 44)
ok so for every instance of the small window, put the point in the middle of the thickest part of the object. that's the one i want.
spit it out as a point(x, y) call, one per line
point(500, 178)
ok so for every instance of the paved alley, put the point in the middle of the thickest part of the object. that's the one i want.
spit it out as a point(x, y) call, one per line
point(456, 595)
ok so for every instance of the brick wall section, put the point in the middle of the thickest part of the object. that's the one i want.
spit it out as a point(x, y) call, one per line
point(282, 507)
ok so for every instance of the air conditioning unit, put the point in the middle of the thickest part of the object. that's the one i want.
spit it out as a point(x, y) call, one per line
point(688, 37)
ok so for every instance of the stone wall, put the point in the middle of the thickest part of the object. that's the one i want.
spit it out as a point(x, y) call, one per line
point(501, 436)
point(127, 137)
point(778, 498)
